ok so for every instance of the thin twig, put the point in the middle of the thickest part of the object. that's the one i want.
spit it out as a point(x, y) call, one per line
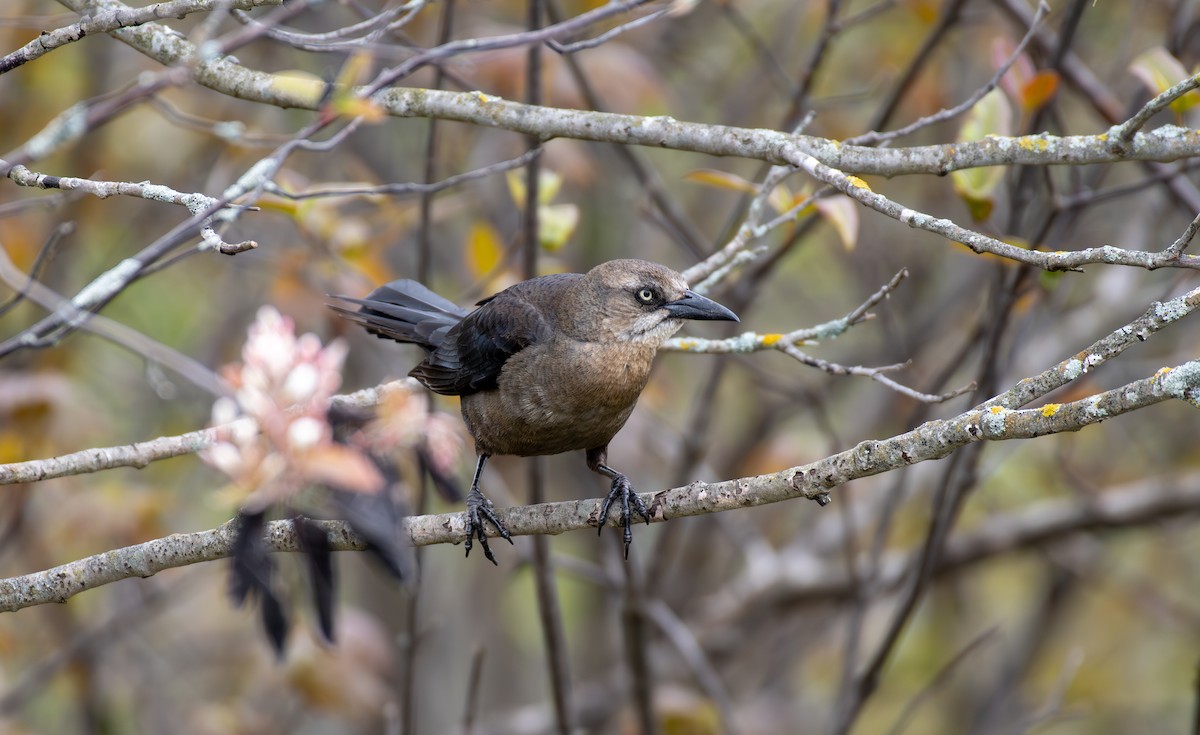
point(471, 704)
point(874, 138)
point(570, 48)
point(693, 653)
point(103, 20)
point(119, 334)
point(1123, 133)
point(940, 679)
point(411, 188)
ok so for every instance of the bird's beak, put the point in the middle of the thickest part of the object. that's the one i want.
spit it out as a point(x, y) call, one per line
point(695, 306)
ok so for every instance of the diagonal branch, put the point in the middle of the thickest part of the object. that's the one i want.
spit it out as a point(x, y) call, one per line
point(1157, 317)
point(932, 440)
point(114, 18)
point(223, 74)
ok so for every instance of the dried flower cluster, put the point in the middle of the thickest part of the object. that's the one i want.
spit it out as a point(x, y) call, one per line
point(283, 386)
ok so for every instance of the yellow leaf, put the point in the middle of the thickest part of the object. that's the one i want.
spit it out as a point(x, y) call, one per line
point(1159, 70)
point(353, 106)
point(992, 115)
point(800, 196)
point(549, 183)
point(355, 71)
point(346, 102)
point(721, 180)
point(484, 249)
point(556, 224)
point(980, 207)
point(780, 199)
point(304, 88)
point(516, 186)
point(842, 213)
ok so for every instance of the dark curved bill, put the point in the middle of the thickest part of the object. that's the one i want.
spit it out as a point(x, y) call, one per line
point(695, 306)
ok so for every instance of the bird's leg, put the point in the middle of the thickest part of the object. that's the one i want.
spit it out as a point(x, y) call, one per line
point(479, 509)
point(621, 489)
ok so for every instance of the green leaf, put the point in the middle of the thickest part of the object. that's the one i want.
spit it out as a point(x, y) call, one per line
point(991, 116)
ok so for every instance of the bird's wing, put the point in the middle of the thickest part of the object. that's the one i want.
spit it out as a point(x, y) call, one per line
point(474, 351)
point(405, 311)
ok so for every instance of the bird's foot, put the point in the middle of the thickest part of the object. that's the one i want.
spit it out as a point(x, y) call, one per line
point(479, 509)
point(622, 490)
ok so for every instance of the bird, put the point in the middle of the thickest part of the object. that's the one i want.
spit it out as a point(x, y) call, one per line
point(549, 365)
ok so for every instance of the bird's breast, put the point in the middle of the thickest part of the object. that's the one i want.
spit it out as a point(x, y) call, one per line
point(558, 397)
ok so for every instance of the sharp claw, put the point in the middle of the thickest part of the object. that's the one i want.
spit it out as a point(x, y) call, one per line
point(600, 523)
point(487, 552)
point(478, 511)
point(631, 502)
point(641, 508)
point(626, 533)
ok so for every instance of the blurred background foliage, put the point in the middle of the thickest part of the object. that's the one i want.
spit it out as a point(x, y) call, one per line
point(1082, 632)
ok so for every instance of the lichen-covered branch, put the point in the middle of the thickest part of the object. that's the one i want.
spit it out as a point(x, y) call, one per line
point(1158, 316)
point(223, 74)
point(140, 454)
point(932, 440)
point(756, 342)
point(113, 18)
point(857, 189)
point(1122, 133)
point(194, 202)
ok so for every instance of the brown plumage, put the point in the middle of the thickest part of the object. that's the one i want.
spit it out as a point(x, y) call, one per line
point(549, 365)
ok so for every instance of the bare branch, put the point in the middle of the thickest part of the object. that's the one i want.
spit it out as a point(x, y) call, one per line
point(755, 342)
point(932, 440)
point(788, 344)
point(117, 333)
point(412, 188)
point(874, 138)
point(354, 37)
point(1158, 316)
point(1122, 134)
point(1167, 143)
point(104, 189)
point(107, 19)
point(142, 454)
point(570, 48)
point(858, 190)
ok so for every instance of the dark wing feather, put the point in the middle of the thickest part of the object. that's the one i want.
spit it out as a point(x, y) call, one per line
point(467, 350)
point(474, 351)
point(405, 311)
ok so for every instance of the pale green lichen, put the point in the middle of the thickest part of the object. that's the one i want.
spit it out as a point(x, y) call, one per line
point(158, 193)
point(1181, 380)
point(1094, 410)
point(1171, 310)
point(1073, 369)
point(992, 421)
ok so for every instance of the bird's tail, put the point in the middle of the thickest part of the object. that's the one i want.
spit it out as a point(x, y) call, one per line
point(405, 311)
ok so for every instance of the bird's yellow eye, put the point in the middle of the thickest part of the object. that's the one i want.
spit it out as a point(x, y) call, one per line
point(646, 295)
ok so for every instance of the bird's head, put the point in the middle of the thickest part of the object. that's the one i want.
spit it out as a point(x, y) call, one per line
point(645, 302)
